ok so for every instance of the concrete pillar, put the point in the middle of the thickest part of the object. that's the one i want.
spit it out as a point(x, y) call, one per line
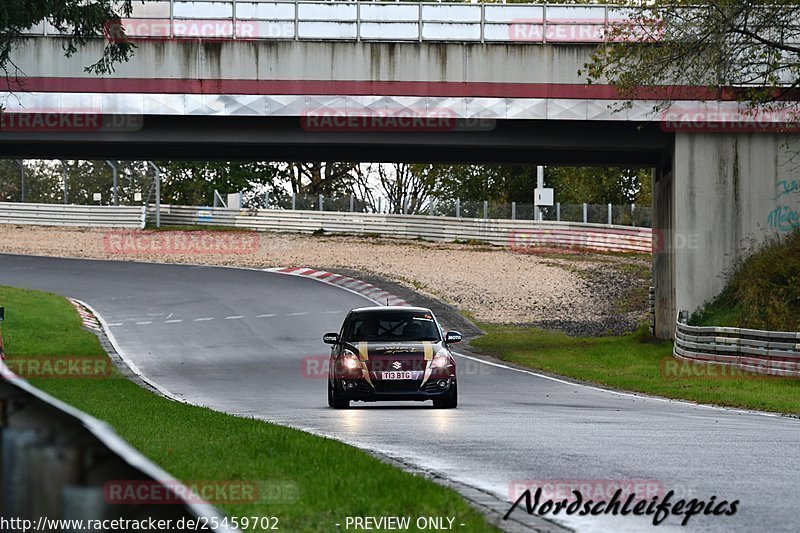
point(663, 260)
point(53, 468)
point(726, 192)
point(18, 470)
point(84, 503)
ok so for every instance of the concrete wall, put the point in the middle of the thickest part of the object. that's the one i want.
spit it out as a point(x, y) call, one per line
point(729, 190)
point(317, 60)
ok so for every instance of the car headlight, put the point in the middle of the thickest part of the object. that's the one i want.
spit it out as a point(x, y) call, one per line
point(350, 360)
point(442, 359)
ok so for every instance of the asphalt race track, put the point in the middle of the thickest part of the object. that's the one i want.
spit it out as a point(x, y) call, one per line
point(236, 340)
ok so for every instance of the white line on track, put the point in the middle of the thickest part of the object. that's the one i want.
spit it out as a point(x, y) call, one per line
point(298, 314)
point(203, 319)
point(173, 321)
point(144, 322)
point(234, 317)
point(266, 316)
point(115, 324)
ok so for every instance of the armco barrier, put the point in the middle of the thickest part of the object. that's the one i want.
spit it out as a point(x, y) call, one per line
point(516, 234)
point(775, 353)
point(72, 215)
point(55, 461)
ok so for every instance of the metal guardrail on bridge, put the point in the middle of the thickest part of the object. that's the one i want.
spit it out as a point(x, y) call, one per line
point(369, 21)
point(519, 235)
point(72, 215)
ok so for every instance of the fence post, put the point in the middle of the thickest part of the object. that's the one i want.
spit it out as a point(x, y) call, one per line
point(633, 218)
point(609, 214)
point(513, 207)
point(294, 201)
point(458, 208)
point(352, 203)
point(485, 210)
point(266, 199)
point(431, 207)
point(558, 211)
point(320, 202)
point(21, 164)
point(585, 218)
point(157, 179)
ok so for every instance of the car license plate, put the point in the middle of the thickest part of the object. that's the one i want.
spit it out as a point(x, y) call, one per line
point(396, 375)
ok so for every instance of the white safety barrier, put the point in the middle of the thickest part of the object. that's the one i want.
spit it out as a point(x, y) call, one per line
point(520, 235)
point(72, 215)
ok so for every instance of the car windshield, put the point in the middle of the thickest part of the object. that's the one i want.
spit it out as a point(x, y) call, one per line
point(393, 327)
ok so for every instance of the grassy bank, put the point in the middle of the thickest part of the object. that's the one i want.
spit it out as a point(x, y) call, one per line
point(317, 481)
point(635, 362)
point(763, 291)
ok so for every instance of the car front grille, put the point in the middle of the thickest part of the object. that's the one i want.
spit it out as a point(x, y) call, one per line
point(399, 385)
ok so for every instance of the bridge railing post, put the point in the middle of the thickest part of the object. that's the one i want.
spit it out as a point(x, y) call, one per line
point(483, 20)
point(233, 19)
point(585, 213)
point(558, 211)
point(296, 20)
point(609, 214)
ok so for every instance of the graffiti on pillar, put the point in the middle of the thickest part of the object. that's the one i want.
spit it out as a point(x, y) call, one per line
point(787, 187)
point(785, 217)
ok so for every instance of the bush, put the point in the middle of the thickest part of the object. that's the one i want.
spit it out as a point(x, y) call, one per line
point(763, 291)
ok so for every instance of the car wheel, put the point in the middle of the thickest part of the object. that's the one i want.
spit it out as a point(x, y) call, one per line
point(448, 402)
point(333, 398)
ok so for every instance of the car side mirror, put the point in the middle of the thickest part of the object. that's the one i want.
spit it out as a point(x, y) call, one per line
point(330, 338)
point(452, 337)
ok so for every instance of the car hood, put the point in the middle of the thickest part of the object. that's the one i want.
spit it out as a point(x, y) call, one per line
point(384, 356)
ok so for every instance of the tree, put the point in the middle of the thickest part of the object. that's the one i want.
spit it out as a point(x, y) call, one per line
point(194, 182)
point(79, 21)
point(717, 44)
point(598, 185)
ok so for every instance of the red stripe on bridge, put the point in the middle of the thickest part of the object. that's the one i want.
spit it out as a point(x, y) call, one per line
point(352, 87)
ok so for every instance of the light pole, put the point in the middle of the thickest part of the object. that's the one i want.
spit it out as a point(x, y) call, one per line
point(64, 176)
point(114, 173)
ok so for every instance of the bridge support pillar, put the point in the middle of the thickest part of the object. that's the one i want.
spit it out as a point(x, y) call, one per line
point(726, 193)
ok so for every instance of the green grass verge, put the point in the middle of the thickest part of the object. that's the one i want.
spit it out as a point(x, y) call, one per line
point(326, 479)
point(763, 291)
point(634, 362)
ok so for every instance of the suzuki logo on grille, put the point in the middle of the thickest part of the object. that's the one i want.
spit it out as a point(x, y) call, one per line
point(397, 365)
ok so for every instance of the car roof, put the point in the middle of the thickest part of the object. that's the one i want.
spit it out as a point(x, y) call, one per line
point(391, 308)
